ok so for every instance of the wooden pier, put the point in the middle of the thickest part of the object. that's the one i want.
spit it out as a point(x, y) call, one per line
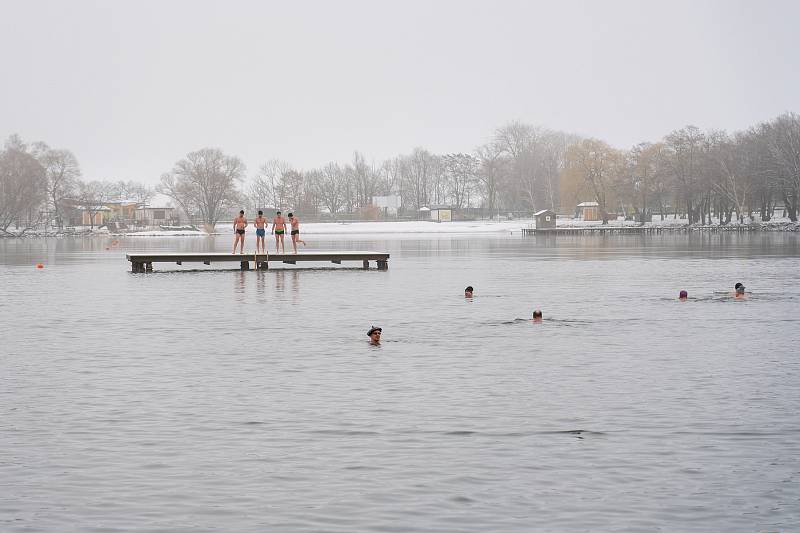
point(143, 262)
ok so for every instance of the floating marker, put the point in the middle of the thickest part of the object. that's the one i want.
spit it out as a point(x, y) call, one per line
point(39, 265)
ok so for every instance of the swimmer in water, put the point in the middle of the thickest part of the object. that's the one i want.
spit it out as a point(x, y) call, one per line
point(739, 291)
point(468, 292)
point(683, 296)
point(374, 335)
point(537, 316)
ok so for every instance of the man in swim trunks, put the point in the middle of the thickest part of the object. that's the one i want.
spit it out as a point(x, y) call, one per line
point(537, 316)
point(295, 222)
point(239, 223)
point(260, 224)
point(278, 229)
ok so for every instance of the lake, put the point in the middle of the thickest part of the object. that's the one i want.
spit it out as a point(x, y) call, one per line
point(197, 399)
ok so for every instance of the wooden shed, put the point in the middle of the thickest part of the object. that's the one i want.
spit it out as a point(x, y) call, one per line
point(588, 211)
point(441, 213)
point(545, 219)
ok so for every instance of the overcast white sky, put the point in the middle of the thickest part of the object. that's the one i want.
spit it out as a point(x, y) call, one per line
point(131, 87)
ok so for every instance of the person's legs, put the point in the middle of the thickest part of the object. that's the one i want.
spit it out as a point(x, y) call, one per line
point(294, 243)
point(235, 241)
point(241, 244)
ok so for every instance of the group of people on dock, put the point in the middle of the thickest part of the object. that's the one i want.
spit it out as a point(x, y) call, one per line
point(278, 229)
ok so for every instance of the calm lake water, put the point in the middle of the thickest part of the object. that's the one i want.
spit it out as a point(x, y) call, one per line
point(212, 399)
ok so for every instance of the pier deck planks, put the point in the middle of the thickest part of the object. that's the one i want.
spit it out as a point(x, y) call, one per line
point(143, 262)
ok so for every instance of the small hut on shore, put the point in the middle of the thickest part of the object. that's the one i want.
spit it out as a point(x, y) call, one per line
point(545, 219)
point(589, 211)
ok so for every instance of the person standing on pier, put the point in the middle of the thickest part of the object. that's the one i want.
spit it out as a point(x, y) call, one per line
point(260, 224)
point(295, 222)
point(278, 229)
point(239, 224)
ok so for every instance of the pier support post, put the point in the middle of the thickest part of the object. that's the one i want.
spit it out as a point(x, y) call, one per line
point(383, 265)
point(366, 264)
point(263, 265)
point(245, 265)
point(148, 267)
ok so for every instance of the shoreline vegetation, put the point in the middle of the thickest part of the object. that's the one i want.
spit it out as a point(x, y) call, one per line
point(704, 177)
point(428, 227)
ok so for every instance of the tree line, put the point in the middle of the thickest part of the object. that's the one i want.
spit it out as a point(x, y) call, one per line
point(523, 168)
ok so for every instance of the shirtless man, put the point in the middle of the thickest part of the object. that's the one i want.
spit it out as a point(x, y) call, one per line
point(295, 222)
point(278, 229)
point(239, 223)
point(260, 224)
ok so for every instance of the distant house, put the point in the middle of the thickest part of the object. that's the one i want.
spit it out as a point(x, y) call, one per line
point(122, 210)
point(589, 211)
point(441, 213)
point(96, 215)
point(158, 211)
point(545, 219)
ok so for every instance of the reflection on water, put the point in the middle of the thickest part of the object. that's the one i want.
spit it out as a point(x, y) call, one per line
point(212, 398)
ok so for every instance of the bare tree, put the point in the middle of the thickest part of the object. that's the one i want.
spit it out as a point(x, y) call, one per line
point(206, 181)
point(599, 165)
point(23, 181)
point(491, 168)
point(783, 139)
point(329, 184)
point(62, 170)
point(462, 172)
point(92, 197)
point(683, 157)
point(417, 172)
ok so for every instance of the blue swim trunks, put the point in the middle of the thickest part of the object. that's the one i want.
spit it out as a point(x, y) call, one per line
point(260, 232)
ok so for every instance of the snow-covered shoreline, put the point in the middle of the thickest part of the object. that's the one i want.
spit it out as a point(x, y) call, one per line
point(485, 227)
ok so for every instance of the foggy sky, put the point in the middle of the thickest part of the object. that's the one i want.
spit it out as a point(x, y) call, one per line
point(131, 87)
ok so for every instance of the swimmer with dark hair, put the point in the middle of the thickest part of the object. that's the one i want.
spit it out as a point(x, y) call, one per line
point(537, 316)
point(739, 287)
point(683, 296)
point(468, 292)
point(374, 335)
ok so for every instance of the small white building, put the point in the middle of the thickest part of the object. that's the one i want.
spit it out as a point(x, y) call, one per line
point(158, 211)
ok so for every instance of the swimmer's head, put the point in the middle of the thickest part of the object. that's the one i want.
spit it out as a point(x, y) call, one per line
point(241, 212)
point(537, 314)
point(374, 331)
point(260, 213)
point(468, 291)
point(739, 288)
point(683, 295)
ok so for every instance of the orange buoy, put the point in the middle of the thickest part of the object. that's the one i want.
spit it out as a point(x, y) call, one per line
point(39, 265)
